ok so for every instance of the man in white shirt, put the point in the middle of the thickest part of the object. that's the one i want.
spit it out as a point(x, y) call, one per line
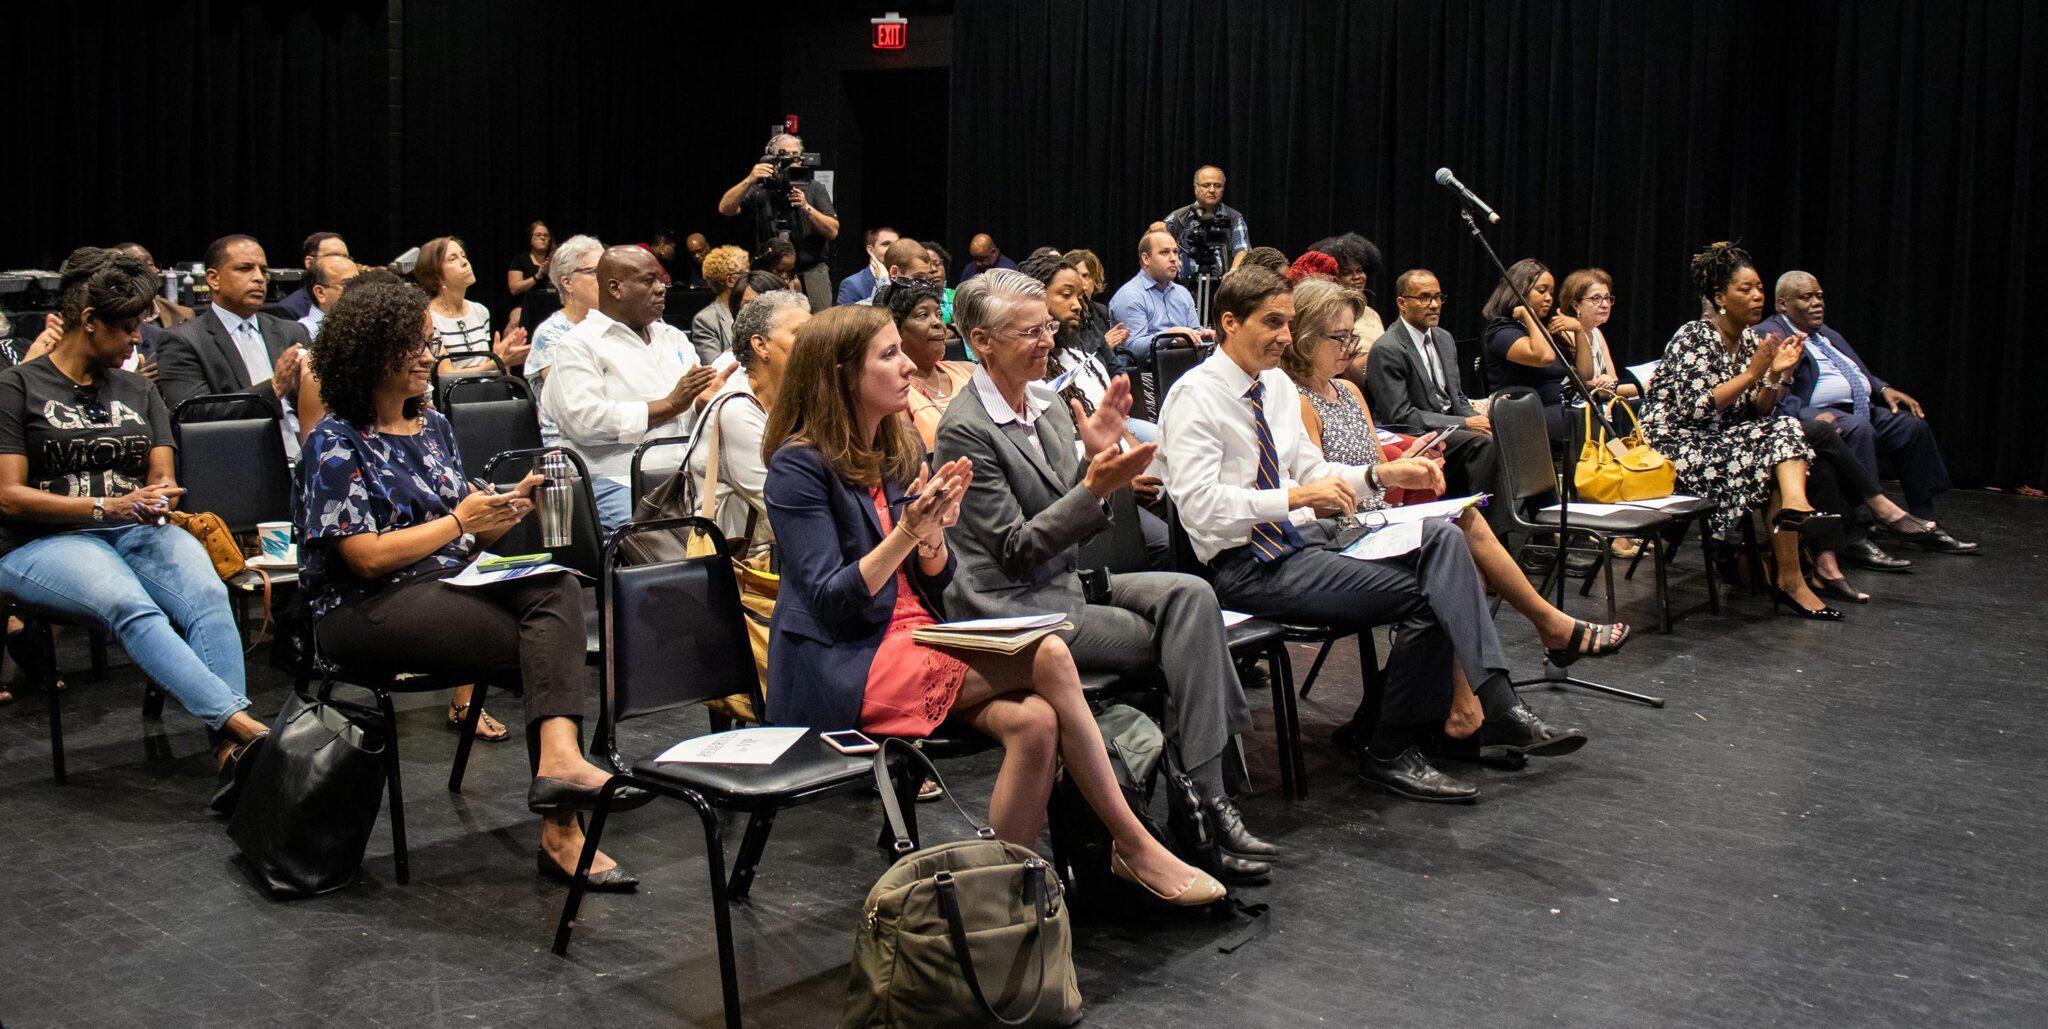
point(1261, 506)
point(623, 375)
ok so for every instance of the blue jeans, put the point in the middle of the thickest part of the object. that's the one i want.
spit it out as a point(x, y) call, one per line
point(614, 502)
point(155, 589)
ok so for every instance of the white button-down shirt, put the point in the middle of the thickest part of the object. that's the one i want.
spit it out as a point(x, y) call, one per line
point(1209, 455)
point(742, 473)
point(1021, 427)
point(312, 322)
point(248, 339)
point(600, 381)
point(1425, 349)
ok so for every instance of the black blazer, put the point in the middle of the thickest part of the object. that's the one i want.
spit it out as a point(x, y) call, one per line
point(198, 358)
point(1403, 395)
point(827, 625)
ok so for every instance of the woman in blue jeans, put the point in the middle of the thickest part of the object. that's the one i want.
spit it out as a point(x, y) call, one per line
point(86, 478)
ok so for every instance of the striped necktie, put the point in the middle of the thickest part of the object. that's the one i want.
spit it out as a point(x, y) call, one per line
point(1270, 540)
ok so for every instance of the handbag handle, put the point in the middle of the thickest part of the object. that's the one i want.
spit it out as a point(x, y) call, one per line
point(956, 931)
point(1634, 420)
point(892, 808)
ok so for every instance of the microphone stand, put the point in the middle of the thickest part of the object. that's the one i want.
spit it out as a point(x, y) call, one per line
point(1553, 676)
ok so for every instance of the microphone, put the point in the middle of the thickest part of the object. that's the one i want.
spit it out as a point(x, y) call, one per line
point(1448, 181)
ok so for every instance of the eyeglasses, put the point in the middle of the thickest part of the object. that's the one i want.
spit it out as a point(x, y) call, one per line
point(590, 271)
point(1348, 340)
point(1598, 298)
point(1043, 330)
point(1427, 299)
point(88, 401)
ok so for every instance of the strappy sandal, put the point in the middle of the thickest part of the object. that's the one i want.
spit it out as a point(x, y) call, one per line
point(1896, 527)
point(1837, 588)
point(1596, 638)
point(456, 713)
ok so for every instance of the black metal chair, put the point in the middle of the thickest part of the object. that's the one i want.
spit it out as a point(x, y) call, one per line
point(673, 635)
point(1527, 476)
point(232, 467)
point(642, 483)
point(490, 415)
point(39, 624)
point(1173, 355)
point(497, 373)
point(585, 552)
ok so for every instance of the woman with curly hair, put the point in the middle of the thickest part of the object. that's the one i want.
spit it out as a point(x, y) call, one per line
point(1712, 411)
point(86, 476)
point(385, 514)
point(725, 272)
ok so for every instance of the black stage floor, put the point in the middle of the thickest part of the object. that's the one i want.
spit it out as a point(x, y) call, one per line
point(1830, 825)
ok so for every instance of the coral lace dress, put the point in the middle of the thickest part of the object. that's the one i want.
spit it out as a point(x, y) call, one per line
point(911, 686)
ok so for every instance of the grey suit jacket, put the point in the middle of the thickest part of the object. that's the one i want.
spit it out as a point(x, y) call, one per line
point(1022, 523)
point(198, 358)
point(1403, 394)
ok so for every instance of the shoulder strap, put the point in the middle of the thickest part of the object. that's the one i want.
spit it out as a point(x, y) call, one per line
point(892, 808)
point(956, 931)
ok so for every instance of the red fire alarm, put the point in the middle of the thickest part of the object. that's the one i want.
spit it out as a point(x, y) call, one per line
point(789, 123)
point(892, 31)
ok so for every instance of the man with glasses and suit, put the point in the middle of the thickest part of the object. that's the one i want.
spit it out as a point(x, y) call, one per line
point(233, 347)
point(1413, 374)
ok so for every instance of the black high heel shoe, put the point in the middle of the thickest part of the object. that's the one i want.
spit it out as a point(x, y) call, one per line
point(1822, 531)
point(1825, 614)
point(1562, 657)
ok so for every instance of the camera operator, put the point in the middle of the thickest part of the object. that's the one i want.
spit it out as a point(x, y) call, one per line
point(786, 202)
point(1208, 230)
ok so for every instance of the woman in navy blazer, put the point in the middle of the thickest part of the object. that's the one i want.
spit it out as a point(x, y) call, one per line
point(851, 501)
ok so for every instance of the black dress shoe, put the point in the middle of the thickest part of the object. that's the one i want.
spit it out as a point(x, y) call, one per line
point(611, 880)
point(1253, 677)
point(1939, 541)
point(1411, 777)
point(1232, 835)
point(1865, 554)
point(548, 796)
point(1239, 871)
point(1437, 746)
point(1522, 733)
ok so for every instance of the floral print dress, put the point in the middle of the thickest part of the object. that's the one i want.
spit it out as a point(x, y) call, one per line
point(353, 480)
point(1723, 455)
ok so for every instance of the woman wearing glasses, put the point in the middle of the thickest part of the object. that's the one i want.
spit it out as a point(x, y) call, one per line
point(86, 478)
point(1335, 416)
point(1588, 296)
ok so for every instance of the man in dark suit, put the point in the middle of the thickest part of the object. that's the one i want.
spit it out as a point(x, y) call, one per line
point(1413, 372)
point(298, 302)
point(233, 347)
point(1035, 501)
point(1879, 422)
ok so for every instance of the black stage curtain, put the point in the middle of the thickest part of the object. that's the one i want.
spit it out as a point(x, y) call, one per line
point(1888, 146)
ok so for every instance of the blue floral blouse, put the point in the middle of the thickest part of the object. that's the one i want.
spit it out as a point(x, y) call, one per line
point(351, 481)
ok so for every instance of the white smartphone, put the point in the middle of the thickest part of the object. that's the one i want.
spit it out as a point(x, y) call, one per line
point(1421, 446)
point(848, 741)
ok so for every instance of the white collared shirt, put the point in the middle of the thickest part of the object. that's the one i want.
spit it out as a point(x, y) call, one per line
point(1209, 455)
point(1005, 416)
point(1425, 348)
point(600, 380)
point(742, 474)
point(247, 336)
point(312, 321)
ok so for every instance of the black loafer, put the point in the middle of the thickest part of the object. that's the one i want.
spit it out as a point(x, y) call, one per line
point(1237, 871)
point(611, 880)
point(1865, 554)
point(1232, 835)
point(1523, 734)
point(1437, 746)
point(547, 796)
point(1939, 541)
point(1411, 777)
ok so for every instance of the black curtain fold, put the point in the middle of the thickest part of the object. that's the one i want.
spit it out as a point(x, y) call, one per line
point(1888, 146)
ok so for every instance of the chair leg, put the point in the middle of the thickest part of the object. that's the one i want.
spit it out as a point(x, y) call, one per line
point(1286, 734)
point(584, 861)
point(45, 639)
point(721, 910)
point(1607, 563)
point(1660, 564)
point(759, 825)
point(470, 720)
point(1315, 668)
point(96, 639)
point(1707, 559)
point(152, 701)
point(401, 861)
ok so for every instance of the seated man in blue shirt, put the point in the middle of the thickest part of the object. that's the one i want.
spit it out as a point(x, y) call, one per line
point(861, 284)
point(1876, 420)
point(1152, 302)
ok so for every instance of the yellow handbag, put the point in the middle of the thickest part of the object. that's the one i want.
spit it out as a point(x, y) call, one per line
point(1615, 471)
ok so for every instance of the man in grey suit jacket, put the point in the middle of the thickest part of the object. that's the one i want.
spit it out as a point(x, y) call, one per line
point(1034, 502)
point(1413, 372)
point(233, 347)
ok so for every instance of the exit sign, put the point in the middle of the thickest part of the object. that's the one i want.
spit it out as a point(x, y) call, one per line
point(892, 31)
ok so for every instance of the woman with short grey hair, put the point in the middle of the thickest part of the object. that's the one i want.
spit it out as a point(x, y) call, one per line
point(573, 270)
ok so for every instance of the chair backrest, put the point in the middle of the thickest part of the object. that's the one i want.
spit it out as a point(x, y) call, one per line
point(501, 418)
point(233, 467)
point(642, 481)
point(585, 551)
point(441, 385)
point(1526, 470)
point(671, 633)
point(1119, 547)
point(1170, 361)
point(1183, 548)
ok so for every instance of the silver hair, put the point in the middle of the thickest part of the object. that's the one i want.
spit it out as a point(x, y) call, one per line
point(1790, 282)
point(758, 319)
point(985, 300)
point(781, 136)
point(568, 255)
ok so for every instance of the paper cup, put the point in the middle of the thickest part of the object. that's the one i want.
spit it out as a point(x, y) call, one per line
point(276, 539)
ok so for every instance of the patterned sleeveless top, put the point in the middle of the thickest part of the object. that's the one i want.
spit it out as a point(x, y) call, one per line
point(1347, 437)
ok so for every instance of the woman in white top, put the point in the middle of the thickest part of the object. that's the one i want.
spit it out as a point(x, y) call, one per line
point(1588, 295)
point(762, 335)
point(461, 326)
point(573, 269)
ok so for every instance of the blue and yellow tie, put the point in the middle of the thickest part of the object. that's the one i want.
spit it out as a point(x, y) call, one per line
point(1270, 540)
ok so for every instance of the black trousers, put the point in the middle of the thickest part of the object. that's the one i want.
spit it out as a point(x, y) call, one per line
point(532, 626)
point(1836, 482)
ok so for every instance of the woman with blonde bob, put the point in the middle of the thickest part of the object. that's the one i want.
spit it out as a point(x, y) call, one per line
point(862, 526)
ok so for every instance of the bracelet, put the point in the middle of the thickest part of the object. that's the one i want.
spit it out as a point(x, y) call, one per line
point(459, 530)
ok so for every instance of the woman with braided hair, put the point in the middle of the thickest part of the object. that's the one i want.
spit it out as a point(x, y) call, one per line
point(1711, 412)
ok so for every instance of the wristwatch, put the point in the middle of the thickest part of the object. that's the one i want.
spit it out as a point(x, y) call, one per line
point(99, 509)
point(1372, 477)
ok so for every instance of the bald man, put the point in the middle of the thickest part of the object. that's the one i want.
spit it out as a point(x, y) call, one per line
point(623, 375)
point(982, 255)
point(1153, 302)
point(1209, 207)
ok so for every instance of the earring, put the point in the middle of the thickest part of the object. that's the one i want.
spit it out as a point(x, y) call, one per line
point(1718, 309)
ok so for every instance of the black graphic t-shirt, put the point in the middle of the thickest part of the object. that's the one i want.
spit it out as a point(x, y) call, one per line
point(80, 441)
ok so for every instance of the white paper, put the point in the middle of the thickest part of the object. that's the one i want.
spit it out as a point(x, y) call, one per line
point(1231, 618)
point(1013, 623)
point(757, 746)
point(1392, 541)
point(1643, 371)
point(471, 576)
point(1661, 503)
point(1451, 508)
point(1594, 509)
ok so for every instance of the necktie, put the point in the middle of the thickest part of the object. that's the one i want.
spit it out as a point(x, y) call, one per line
point(1432, 362)
point(255, 358)
point(1859, 387)
point(1270, 540)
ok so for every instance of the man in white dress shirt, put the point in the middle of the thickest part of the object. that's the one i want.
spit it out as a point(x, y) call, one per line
point(1265, 510)
point(326, 277)
point(623, 375)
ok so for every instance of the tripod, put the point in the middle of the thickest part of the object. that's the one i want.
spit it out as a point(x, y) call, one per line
point(1554, 677)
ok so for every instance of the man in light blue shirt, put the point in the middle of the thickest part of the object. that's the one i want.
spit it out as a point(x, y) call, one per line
point(1152, 302)
point(326, 277)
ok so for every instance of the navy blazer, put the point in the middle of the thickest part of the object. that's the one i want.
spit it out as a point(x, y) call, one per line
point(1797, 398)
point(827, 625)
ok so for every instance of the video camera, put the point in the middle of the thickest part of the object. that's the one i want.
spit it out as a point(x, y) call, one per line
point(790, 168)
point(1206, 241)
